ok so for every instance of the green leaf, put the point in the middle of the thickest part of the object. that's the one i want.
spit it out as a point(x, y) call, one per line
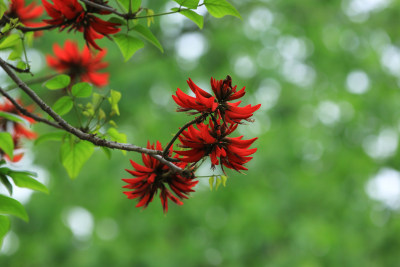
point(148, 35)
point(117, 20)
point(4, 180)
point(10, 41)
point(16, 52)
point(53, 136)
point(12, 207)
point(211, 182)
point(13, 117)
point(150, 16)
point(117, 136)
point(81, 90)
point(221, 8)
point(75, 154)
point(188, 3)
point(101, 114)
point(4, 227)
point(107, 151)
point(24, 179)
point(135, 4)
point(7, 143)
point(193, 16)
point(22, 65)
point(58, 82)
point(128, 45)
point(3, 9)
point(63, 105)
point(114, 99)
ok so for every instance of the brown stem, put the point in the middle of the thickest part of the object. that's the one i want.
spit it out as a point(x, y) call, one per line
point(80, 134)
point(36, 29)
point(26, 112)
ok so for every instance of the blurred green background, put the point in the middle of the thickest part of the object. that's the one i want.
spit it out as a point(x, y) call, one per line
point(323, 188)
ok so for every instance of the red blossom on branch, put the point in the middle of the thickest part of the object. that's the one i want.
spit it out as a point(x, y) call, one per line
point(16, 129)
point(84, 66)
point(154, 176)
point(203, 102)
point(211, 140)
point(70, 14)
point(25, 14)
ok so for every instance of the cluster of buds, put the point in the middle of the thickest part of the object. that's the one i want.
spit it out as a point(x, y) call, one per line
point(207, 136)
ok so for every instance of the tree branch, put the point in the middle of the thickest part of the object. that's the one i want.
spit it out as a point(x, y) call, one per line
point(36, 29)
point(80, 134)
point(26, 112)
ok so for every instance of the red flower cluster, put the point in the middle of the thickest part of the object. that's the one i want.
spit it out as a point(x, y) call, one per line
point(204, 102)
point(205, 140)
point(212, 140)
point(78, 65)
point(71, 14)
point(25, 14)
point(17, 130)
point(154, 176)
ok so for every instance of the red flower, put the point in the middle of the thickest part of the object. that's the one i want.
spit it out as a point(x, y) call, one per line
point(25, 14)
point(17, 130)
point(79, 65)
point(204, 102)
point(153, 176)
point(212, 140)
point(70, 14)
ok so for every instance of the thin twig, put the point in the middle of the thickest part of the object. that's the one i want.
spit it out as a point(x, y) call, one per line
point(82, 135)
point(33, 81)
point(26, 112)
point(36, 29)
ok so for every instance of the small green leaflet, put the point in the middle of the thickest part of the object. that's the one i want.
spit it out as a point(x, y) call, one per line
point(58, 82)
point(63, 105)
point(4, 227)
point(82, 89)
point(114, 99)
point(188, 3)
point(148, 35)
point(13, 117)
point(221, 8)
point(7, 143)
point(10, 41)
point(74, 154)
point(54, 136)
point(116, 136)
point(24, 179)
point(12, 207)
point(128, 45)
point(16, 52)
point(3, 8)
point(193, 16)
point(4, 180)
